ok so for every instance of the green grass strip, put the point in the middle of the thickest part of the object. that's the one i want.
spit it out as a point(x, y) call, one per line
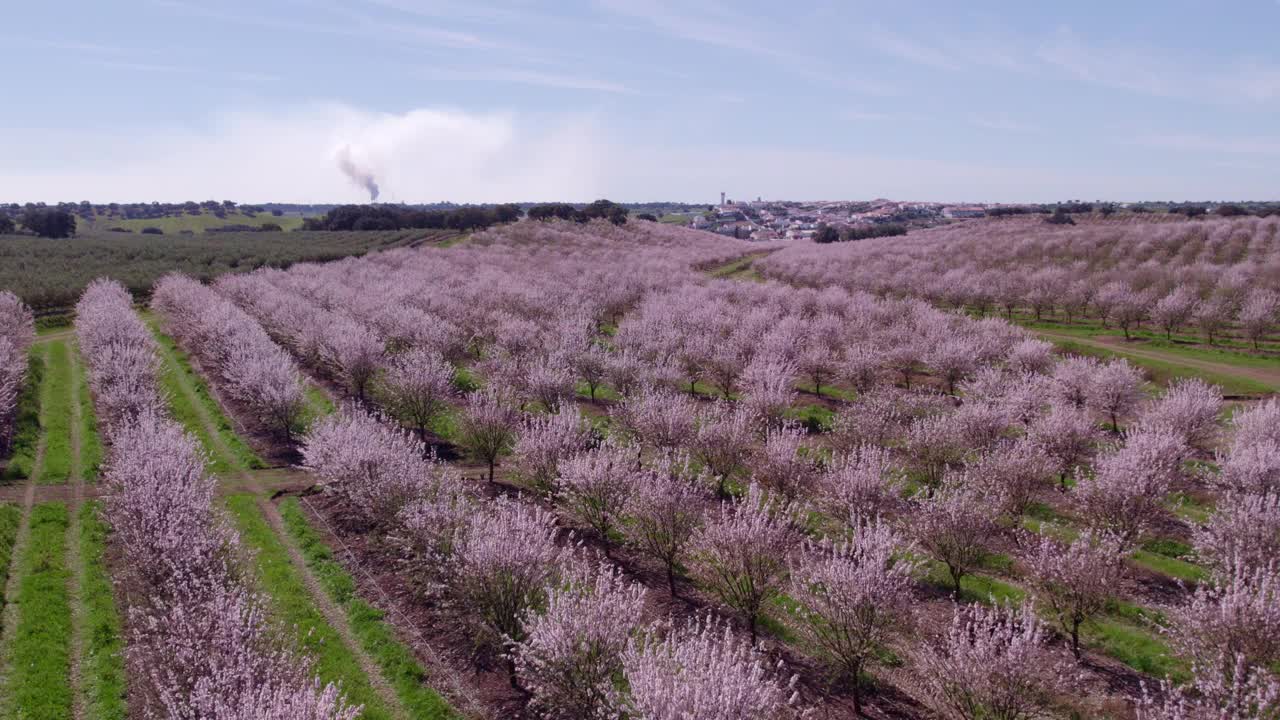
point(185, 389)
point(26, 430)
point(39, 684)
point(90, 441)
point(103, 667)
point(1133, 645)
point(10, 519)
point(294, 609)
point(1170, 566)
point(377, 637)
point(1162, 372)
point(56, 415)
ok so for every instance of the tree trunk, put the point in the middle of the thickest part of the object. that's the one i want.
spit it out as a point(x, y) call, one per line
point(491, 464)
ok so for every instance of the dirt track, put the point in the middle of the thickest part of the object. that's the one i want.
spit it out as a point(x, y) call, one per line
point(1266, 376)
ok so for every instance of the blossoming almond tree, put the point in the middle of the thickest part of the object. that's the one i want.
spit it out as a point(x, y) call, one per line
point(740, 554)
point(854, 599)
point(1074, 582)
point(572, 653)
point(990, 664)
point(702, 671)
point(663, 511)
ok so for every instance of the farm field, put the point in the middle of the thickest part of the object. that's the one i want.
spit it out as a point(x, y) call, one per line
point(49, 276)
point(174, 224)
point(571, 470)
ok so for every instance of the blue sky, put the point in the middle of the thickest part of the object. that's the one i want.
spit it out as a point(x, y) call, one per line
point(640, 100)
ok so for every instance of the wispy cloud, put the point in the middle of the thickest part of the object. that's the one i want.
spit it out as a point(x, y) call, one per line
point(348, 22)
point(553, 80)
point(128, 65)
point(1001, 123)
point(713, 24)
point(902, 47)
point(864, 115)
point(1213, 143)
point(1152, 72)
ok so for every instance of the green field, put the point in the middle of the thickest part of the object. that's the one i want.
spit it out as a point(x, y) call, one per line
point(90, 442)
point(1162, 372)
point(49, 275)
point(189, 223)
point(192, 405)
point(376, 636)
point(38, 659)
point(26, 430)
point(103, 663)
point(295, 612)
point(56, 414)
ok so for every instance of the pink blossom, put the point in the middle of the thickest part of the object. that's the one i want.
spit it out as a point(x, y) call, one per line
point(1244, 527)
point(1115, 391)
point(1212, 316)
point(1174, 310)
point(1067, 436)
point(859, 485)
point(1125, 494)
point(725, 440)
point(658, 418)
point(767, 387)
point(784, 464)
point(1226, 689)
point(573, 648)
point(1074, 376)
point(702, 671)
point(1031, 356)
point(488, 426)
point(375, 467)
point(990, 663)
point(954, 525)
point(594, 485)
point(1189, 409)
point(1014, 473)
point(417, 387)
point(504, 561)
point(740, 554)
point(1235, 615)
point(854, 599)
point(545, 442)
point(664, 510)
point(1075, 582)
point(1258, 314)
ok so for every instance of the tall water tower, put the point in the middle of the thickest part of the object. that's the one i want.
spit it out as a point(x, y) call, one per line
point(722, 198)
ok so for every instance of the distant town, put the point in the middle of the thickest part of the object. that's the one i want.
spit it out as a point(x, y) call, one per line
point(764, 220)
point(769, 220)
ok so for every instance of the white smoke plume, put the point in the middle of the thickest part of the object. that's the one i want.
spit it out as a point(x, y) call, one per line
point(359, 175)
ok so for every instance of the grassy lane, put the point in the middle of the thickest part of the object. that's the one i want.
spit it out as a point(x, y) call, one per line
point(56, 393)
point(194, 406)
point(1163, 369)
point(10, 521)
point(26, 431)
point(102, 652)
point(1126, 632)
point(396, 661)
point(1234, 351)
point(97, 644)
point(295, 611)
point(37, 682)
point(87, 423)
